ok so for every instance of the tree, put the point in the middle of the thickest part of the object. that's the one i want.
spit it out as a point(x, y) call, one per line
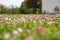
point(13, 10)
point(24, 9)
point(32, 5)
point(56, 9)
point(2, 8)
point(35, 4)
point(9, 10)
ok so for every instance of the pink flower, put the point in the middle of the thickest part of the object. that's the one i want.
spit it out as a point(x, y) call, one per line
point(20, 30)
point(39, 20)
point(40, 30)
point(48, 17)
point(8, 23)
point(15, 32)
point(29, 19)
point(57, 18)
point(16, 21)
point(29, 38)
point(23, 20)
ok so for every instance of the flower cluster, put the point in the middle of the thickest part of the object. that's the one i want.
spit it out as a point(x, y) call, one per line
point(30, 27)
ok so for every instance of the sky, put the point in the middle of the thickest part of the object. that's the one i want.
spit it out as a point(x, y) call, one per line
point(11, 2)
point(47, 5)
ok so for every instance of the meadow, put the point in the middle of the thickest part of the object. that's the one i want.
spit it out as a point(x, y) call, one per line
point(29, 27)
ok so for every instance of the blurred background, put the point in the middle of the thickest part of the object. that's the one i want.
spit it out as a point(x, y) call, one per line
point(29, 6)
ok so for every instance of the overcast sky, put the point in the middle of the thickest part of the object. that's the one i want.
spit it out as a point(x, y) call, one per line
point(47, 5)
point(11, 2)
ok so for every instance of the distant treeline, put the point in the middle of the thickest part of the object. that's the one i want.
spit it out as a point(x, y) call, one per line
point(27, 7)
point(8, 10)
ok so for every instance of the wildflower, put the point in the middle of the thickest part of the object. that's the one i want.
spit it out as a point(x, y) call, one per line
point(15, 32)
point(29, 38)
point(51, 22)
point(40, 30)
point(19, 19)
point(20, 30)
point(48, 17)
point(57, 18)
point(39, 20)
point(6, 18)
point(6, 35)
point(29, 18)
point(8, 23)
point(28, 30)
point(23, 20)
point(16, 21)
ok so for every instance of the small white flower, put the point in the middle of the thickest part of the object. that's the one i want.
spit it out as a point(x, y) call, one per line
point(6, 18)
point(15, 32)
point(23, 19)
point(51, 22)
point(20, 30)
point(6, 35)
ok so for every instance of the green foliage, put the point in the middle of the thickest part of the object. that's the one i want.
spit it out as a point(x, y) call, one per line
point(7, 10)
point(27, 5)
point(35, 4)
